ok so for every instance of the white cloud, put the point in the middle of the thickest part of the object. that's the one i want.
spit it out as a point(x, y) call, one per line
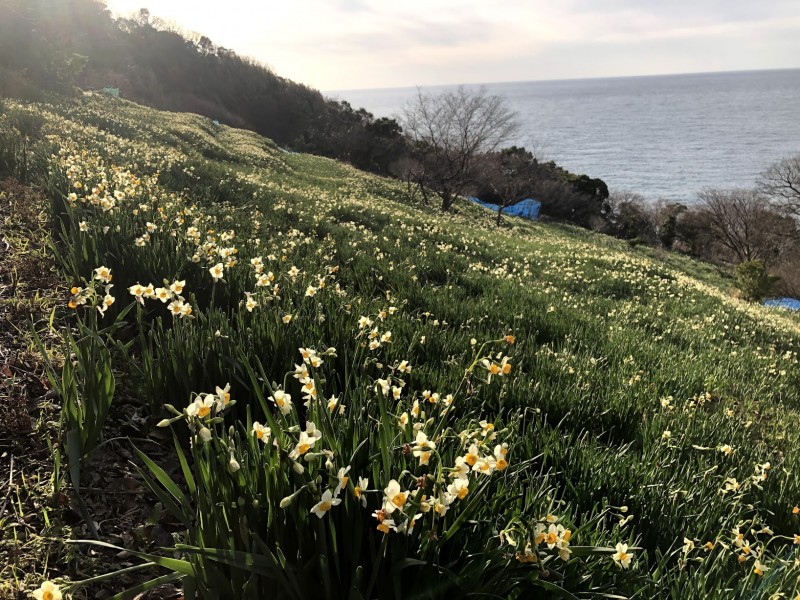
point(348, 44)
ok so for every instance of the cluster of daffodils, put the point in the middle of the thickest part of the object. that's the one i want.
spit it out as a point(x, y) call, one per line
point(498, 367)
point(94, 184)
point(96, 293)
point(427, 487)
point(550, 538)
point(311, 358)
point(214, 248)
point(370, 334)
point(748, 544)
point(434, 490)
point(169, 294)
point(204, 410)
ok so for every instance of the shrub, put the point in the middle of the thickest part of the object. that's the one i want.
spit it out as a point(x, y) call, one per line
point(754, 281)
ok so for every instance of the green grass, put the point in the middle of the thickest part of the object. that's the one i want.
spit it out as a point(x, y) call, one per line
point(614, 347)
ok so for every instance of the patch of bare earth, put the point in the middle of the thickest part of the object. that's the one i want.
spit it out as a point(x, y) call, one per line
point(36, 516)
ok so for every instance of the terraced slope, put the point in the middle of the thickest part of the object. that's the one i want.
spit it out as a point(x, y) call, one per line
point(631, 398)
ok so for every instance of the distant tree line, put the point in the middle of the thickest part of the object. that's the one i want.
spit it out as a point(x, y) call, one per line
point(52, 46)
point(753, 232)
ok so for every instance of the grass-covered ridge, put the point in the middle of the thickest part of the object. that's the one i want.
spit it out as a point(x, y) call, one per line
point(643, 406)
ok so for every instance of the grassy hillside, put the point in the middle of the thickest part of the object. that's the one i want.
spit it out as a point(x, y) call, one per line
point(619, 395)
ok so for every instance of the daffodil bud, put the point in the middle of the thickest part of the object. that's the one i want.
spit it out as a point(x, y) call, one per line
point(298, 468)
point(163, 423)
point(205, 434)
point(233, 465)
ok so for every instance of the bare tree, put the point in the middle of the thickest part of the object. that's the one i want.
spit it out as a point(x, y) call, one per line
point(781, 182)
point(448, 131)
point(743, 223)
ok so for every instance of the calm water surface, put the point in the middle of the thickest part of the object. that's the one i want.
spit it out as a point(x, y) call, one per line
point(663, 136)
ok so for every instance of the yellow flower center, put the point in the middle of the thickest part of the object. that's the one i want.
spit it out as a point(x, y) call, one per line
point(344, 480)
point(357, 492)
point(552, 538)
point(462, 493)
point(303, 448)
point(203, 411)
point(399, 500)
point(325, 506)
point(502, 464)
point(383, 528)
point(47, 595)
point(471, 459)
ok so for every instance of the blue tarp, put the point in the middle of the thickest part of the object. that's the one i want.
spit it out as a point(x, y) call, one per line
point(527, 209)
point(790, 303)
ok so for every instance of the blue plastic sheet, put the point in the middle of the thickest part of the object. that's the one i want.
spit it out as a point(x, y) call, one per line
point(527, 209)
point(790, 303)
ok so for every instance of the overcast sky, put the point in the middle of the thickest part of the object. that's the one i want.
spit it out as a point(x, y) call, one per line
point(359, 44)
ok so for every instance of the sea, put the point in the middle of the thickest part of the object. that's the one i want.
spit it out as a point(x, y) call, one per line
point(665, 137)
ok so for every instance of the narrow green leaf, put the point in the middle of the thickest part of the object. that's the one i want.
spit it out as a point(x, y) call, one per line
point(147, 585)
point(162, 477)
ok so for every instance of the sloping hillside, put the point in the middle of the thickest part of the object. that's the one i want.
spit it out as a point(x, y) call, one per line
point(621, 396)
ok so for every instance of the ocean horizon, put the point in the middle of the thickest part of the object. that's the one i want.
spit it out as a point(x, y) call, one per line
point(664, 136)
